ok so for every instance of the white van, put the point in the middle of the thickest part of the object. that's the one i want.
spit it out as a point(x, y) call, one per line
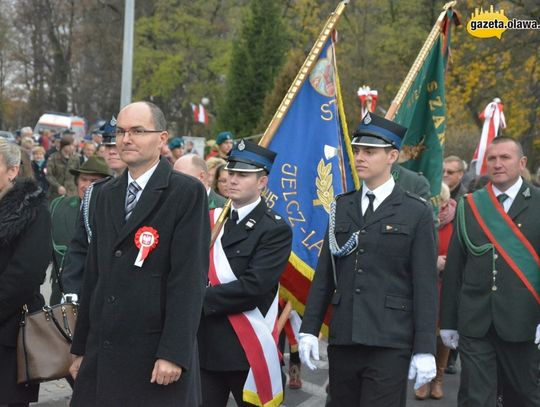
point(59, 122)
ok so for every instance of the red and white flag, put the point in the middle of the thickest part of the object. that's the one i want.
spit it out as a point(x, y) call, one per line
point(200, 114)
point(368, 99)
point(493, 121)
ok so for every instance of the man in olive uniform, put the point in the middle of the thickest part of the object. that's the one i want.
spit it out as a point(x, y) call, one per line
point(491, 283)
point(248, 259)
point(378, 270)
point(64, 216)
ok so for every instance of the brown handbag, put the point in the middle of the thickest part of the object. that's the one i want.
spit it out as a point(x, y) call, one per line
point(43, 345)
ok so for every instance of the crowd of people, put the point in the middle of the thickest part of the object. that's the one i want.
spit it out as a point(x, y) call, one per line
point(170, 316)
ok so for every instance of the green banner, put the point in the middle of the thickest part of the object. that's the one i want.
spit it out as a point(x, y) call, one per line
point(423, 112)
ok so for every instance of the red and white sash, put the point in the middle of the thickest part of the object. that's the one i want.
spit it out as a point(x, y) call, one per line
point(257, 334)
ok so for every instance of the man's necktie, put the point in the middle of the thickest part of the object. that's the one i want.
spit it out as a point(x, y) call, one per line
point(501, 198)
point(369, 209)
point(131, 199)
point(233, 218)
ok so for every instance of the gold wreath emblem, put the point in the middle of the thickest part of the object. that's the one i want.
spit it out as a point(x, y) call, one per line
point(325, 189)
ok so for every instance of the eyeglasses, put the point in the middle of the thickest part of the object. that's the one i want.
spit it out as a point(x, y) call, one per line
point(136, 132)
point(450, 172)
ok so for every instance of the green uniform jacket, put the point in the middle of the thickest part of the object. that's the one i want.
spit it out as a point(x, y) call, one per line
point(470, 303)
point(58, 174)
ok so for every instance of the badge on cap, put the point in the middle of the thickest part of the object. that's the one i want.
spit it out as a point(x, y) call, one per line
point(241, 145)
point(146, 240)
point(113, 121)
point(367, 118)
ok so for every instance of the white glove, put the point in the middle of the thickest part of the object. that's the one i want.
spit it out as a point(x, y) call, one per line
point(422, 367)
point(308, 345)
point(450, 338)
point(537, 336)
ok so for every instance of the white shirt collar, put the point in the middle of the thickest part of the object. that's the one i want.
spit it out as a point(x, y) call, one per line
point(511, 192)
point(143, 179)
point(381, 193)
point(245, 210)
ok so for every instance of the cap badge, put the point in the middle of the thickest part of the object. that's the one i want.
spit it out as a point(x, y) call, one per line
point(241, 145)
point(367, 119)
point(113, 121)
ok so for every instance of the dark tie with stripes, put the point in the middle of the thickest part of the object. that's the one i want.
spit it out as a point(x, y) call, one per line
point(131, 199)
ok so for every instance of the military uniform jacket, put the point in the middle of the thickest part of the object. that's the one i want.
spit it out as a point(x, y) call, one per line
point(130, 316)
point(258, 249)
point(386, 291)
point(469, 302)
point(215, 200)
point(74, 261)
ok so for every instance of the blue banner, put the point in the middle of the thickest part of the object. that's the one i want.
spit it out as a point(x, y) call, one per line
point(312, 165)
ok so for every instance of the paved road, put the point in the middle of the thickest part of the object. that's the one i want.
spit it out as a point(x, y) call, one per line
point(312, 393)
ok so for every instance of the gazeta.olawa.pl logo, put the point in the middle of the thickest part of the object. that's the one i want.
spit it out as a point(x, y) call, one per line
point(487, 24)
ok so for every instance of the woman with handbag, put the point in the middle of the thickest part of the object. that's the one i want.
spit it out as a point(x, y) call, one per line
point(25, 253)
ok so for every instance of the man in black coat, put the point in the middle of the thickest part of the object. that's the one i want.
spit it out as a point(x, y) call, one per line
point(144, 279)
point(378, 270)
point(256, 243)
point(491, 284)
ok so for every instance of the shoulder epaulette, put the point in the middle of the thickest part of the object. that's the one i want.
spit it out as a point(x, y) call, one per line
point(417, 197)
point(273, 215)
point(345, 194)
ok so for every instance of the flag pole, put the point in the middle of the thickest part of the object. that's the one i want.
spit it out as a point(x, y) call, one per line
point(417, 65)
point(302, 75)
point(283, 108)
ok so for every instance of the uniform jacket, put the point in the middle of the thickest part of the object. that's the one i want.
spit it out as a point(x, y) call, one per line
point(258, 249)
point(386, 289)
point(25, 252)
point(58, 174)
point(74, 261)
point(411, 181)
point(469, 303)
point(215, 200)
point(130, 316)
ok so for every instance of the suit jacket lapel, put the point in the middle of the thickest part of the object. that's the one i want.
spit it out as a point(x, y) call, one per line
point(521, 202)
point(354, 208)
point(240, 231)
point(384, 210)
point(148, 199)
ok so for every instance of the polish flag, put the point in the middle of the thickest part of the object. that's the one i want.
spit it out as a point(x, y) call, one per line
point(493, 116)
point(200, 115)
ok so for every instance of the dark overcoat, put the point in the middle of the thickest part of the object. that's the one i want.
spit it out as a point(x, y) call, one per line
point(130, 316)
point(386, 292)
point(469, 303)
point(25, 253)
point(258, 249)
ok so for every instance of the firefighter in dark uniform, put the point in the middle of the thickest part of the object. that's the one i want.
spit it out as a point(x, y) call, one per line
point(378, 270)
point(256, 243)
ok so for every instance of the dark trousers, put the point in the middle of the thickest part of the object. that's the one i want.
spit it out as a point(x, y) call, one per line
point(367, 375)
point(217, 385)
point(480, 359)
